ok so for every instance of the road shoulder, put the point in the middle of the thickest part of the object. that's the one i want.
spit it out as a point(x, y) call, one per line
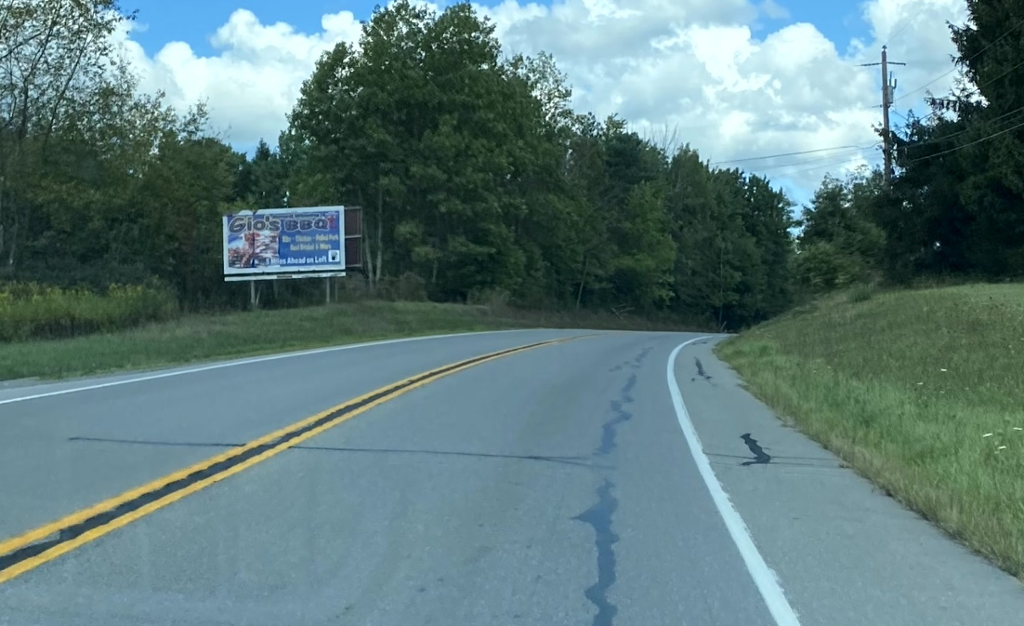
point(845, 553)
point(31, 388)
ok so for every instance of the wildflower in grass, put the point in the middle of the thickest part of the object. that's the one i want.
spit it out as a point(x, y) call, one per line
point(987, 435)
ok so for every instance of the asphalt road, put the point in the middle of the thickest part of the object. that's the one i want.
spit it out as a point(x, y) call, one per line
point(606, 480)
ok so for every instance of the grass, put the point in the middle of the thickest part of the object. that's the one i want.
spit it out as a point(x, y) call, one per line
point(31, 311)
point(921, 391)
point(207, 337)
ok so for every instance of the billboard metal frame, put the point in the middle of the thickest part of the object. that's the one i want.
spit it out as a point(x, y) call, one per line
point(287, 240)
point(276, 276)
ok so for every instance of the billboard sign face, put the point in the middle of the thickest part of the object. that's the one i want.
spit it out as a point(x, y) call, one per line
point(284, 241)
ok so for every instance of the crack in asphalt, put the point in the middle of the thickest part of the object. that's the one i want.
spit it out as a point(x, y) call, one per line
point(635, 363)
point(600, 515)
point(609, 430)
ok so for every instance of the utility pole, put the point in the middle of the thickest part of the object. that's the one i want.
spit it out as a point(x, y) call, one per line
point(888, 90)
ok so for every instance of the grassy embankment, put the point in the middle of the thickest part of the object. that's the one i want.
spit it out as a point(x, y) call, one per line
point(50, 333)
point(921, 391)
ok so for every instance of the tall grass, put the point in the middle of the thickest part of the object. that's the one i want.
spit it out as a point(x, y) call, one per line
point(192, 338)
point(32, 311)
point(922, 391)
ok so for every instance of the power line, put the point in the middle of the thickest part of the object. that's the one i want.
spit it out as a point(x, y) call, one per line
point(992, 80)
point(785, 154)
point(971, 58)
point(966, 130)
point(931, 82)
point(821, 161)
point(815, 168)
point(785, 170)
point(977, 88)
point(906, 24)
point(826, 163)
point(829, 161)
point(967, 145)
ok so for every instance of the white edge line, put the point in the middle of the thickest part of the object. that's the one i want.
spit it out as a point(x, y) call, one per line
point(764, 578)
point(249, 361)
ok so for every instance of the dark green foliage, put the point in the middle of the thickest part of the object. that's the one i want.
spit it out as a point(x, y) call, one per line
point(954, 208)
point(841, 243)
point(476, 176)
point(478, 183)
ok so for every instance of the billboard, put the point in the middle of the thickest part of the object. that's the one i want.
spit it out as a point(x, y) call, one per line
point(284, 241)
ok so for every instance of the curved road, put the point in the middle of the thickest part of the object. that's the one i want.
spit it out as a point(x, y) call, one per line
point(610, 479)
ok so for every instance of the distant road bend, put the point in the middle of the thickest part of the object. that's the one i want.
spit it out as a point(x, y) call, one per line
point(506, 478)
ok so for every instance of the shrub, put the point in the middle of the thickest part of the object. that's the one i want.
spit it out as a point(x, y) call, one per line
point(409, 287)
point(33, 311)
point(822, 267)
point(860, 293)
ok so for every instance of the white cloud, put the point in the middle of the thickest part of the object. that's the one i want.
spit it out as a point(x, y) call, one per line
point(774, 11)
point(254, 79)
point(693, 67)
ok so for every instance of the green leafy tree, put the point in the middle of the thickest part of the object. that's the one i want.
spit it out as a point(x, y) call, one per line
point(56, 58)
point(477, 179)
point(841, 219)
point(954, 207)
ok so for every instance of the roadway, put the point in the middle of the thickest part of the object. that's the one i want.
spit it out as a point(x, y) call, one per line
point(607, 479)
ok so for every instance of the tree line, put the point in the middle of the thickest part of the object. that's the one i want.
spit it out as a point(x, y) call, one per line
point(476, 177)
point(478, 180)
point(955, 203)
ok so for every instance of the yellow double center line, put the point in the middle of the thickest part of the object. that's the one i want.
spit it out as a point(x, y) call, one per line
point(35, 547)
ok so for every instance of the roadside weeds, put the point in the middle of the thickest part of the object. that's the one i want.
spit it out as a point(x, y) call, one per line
point(919, 392)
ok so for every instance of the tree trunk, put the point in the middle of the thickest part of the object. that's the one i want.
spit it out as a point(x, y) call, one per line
point(380, 248)
point(12, 246)
point(368, 256)
point(3, 187)
point(380, 235)
point(583, 278)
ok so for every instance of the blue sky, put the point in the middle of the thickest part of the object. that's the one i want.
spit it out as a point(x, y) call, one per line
point(195, 22)
point(730, 93)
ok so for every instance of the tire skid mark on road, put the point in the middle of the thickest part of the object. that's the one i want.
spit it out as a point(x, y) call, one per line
point(760, 456)
point(701, 373)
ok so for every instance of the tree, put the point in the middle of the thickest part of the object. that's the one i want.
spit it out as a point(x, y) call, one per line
point(954, 208)
point(55, 60)
point(438, 138)
point(262, 181)
point(477, 178)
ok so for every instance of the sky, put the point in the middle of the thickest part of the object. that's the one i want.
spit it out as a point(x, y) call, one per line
point(735, 79)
